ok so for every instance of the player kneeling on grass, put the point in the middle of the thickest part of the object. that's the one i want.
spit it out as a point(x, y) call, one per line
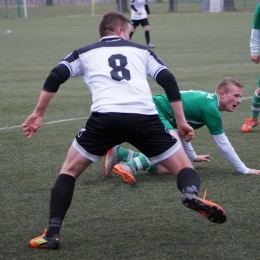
point(200, 108)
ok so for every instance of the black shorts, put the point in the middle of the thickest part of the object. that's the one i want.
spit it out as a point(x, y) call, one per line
point(143, 22)
point(105, 130)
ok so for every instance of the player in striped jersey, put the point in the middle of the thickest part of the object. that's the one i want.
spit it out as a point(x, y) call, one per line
point(115, 71)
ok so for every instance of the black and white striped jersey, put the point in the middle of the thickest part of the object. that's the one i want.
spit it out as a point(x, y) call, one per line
point(115, 71)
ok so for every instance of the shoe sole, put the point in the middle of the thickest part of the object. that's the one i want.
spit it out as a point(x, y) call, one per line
point(126, 175)
point(209, 210)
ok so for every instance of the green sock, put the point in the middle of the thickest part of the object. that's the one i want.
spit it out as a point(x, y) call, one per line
point(126, 154)
point(255, 106)
point(153, 169)
point(140, 162)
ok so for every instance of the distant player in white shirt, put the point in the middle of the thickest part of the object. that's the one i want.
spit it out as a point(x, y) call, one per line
point(115, 71)
point(140, 14)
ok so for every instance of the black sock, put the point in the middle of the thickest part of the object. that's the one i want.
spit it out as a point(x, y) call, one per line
point(147, 36)
point(61, 196)
point(188, 180)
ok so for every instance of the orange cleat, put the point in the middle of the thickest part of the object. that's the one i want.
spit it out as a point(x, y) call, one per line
point(208, 209)
point(44, 242)
point(126, 172)
point(249, 124)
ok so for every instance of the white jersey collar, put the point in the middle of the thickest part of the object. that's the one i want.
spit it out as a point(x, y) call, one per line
point(110, 38)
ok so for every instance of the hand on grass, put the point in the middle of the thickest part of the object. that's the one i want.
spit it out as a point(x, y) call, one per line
point(203, 158)
point(253, 172)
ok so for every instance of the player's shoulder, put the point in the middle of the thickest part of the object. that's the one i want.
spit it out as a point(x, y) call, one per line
point(160, 98)
point(198, 93)
point(200, 96)
point(113, 42)
point(89, 47)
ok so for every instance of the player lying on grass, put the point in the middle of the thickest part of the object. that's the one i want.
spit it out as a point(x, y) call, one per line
point(200, 108)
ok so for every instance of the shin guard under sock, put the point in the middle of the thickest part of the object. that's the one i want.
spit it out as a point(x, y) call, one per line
point(61, 197)
point(188, 178)
point(147, 36)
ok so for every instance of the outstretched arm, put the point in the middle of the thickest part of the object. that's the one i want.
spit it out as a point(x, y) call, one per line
point(57, 76)
point(230, 154)
point(34, 121)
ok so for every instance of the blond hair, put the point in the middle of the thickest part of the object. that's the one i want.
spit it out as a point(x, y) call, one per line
point(226, 83)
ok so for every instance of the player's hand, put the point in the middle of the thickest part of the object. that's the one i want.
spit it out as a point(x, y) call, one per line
point(186, 131)
point(32, 124)
point(139, 12)
point(255, 59)
point(148, 16)
point(203, 158)
point(253, 172)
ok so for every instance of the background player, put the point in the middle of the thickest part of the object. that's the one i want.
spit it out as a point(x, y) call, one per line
point(254, 49)
point(140, 14)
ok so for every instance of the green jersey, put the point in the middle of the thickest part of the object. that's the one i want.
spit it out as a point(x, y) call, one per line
point(200, 108)
point(256, 20)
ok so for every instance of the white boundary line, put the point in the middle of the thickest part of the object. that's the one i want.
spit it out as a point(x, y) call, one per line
point(46, 123)
point(67, 120)
point(244, 98)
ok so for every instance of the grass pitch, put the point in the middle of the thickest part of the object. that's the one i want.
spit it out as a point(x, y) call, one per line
point(108, 219)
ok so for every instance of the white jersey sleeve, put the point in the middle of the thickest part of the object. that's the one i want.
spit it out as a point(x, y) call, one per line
point(254, 42)
point(229, 152)
point(188, 148)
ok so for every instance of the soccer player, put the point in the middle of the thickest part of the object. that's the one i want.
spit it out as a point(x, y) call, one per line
point(200, 108)
point(254, 49)
point(115, 70)
point(140, 14)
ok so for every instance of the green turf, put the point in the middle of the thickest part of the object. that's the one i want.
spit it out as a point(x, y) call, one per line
point(108, 219)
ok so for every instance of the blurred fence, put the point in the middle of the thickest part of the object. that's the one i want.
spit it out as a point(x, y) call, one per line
point(51, 8)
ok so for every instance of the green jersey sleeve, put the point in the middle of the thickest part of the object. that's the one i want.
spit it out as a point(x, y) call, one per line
point(256, 20)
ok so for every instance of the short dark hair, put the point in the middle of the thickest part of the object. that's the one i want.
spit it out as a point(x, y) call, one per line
point(111, 21)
